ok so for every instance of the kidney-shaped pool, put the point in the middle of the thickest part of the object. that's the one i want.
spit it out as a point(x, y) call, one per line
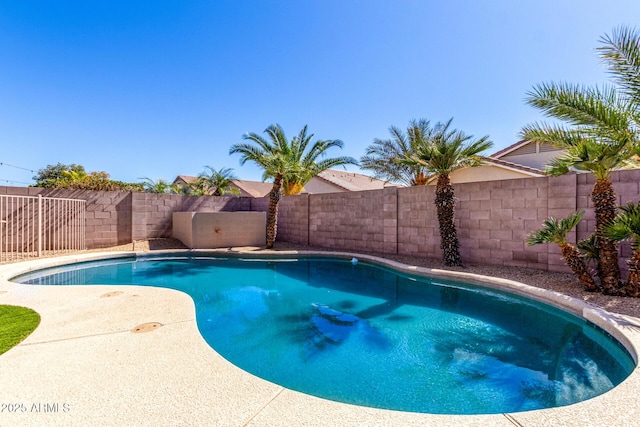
point(367, 335)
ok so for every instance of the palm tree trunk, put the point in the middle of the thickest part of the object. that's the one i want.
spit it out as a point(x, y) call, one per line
point(445, 207)
point(604, 201)
point(632, 289)
point(272, 212)
point(572, 258)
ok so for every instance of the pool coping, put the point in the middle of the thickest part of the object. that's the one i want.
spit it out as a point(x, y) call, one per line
point(77, 321)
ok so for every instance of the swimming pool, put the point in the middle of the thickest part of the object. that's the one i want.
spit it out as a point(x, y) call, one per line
point(367, 335)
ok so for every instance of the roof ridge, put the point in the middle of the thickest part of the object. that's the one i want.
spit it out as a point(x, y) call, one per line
point(332, 182)
point(514, 165)
point(351, 181)
point(510, 148)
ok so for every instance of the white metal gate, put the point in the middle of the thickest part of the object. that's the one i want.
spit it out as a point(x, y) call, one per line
point(33, 226)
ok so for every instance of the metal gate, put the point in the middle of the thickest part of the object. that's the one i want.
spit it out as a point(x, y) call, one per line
point(34, 226)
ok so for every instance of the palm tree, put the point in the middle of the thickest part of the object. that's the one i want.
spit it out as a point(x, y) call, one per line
point(216, 182)
point(160, 186)
point(626, 226)
point(602, 134)
point(198, 187)
point(291, 164)
point(380, 156)
point(555, 231)
point(441, 151)
point(305, 164)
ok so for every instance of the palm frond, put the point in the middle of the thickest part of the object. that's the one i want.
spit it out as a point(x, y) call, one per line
point(621, 53)
point(582, 152)
point(333, 162)
point(477, 147)
point(382, 155)
point(388, 171)
point(558, 166)
point(552, 134)
point(626, 224)
point(589, 248)
point(301, 142)
point(249, 153)
point(554, 230)
point(399, 141)
point(594, 110)
point(547, 234)
point(617, 231)
point(294, 162)
point(215, 182)
point(319, 148)
point(448, 150)
point(257, 139)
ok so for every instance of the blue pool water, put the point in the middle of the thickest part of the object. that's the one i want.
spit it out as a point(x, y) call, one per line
point(366, 335)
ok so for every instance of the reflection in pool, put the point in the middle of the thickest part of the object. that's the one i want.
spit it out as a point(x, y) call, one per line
point(366, 335)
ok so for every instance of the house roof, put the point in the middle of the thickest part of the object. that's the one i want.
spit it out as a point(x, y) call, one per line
point(185, 178)
point(510, 148)
point(253, 188)
point(502, 164)
point(351, 181)
point(520, 148)
point(514, 166)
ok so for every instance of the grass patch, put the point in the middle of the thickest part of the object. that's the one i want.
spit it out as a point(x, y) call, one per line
point(16, 323)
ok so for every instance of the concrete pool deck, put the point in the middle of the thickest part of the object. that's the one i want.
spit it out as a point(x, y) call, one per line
point(132, 355)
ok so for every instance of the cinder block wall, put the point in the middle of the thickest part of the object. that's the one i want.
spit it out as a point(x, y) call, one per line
point(293, 218)
point(152, 213)
point(417, 222)
point(359, 221)
point(492, 218)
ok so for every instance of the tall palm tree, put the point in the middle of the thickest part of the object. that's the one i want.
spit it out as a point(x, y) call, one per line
point(626, 226)
point(380, 156)
point(555, 231)
point(602, 135)
point(441, 151)
point(216, 182)
point(291, 164)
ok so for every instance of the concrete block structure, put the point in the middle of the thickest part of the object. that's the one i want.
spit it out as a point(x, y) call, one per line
point(493, 218)
point(210, 230)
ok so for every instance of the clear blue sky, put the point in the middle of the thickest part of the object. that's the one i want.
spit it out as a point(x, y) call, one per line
point(162, 88)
